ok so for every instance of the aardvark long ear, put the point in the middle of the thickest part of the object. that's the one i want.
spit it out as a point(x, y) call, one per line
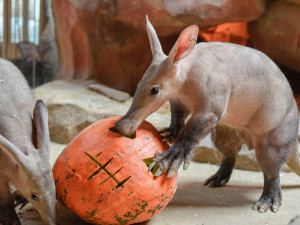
point(41, 133)
point(154, 41)
point(185, 43)
point(14, 153)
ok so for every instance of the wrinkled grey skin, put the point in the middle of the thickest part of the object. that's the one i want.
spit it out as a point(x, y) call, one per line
point(227, 89)
point(24, 149)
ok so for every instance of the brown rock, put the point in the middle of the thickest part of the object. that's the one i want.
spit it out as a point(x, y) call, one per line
point(107, 41)
point(277, 33)
point(72, 107)
point(93, 44)
point(110, 92)
point(171, 16)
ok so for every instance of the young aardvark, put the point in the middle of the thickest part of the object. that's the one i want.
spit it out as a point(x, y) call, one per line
point(24, 149)
point(226, 88)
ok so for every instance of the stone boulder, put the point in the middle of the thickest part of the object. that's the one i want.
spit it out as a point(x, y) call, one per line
point(106, 40)
point(72, 107)
point(276, 33)
point(171, 16)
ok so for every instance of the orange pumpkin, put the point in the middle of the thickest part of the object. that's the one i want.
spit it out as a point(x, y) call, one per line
point(102, 176)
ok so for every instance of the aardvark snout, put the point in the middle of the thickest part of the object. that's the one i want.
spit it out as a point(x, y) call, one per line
point(126, 126)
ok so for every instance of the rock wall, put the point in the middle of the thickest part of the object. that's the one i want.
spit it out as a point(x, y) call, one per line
point(277, 33)
point(106, 39)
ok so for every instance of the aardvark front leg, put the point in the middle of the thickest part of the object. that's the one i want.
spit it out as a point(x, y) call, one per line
point(178, 115)
point(198, 126)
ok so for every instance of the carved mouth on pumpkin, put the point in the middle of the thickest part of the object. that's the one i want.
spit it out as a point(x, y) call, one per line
point(148, 161)
point(115, 130)
point(103, 167)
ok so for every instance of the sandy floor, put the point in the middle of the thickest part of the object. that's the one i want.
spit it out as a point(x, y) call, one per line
point(195, 204)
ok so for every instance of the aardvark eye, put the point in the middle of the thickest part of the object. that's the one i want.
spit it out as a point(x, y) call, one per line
point(154, 90)
point(35, 197)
